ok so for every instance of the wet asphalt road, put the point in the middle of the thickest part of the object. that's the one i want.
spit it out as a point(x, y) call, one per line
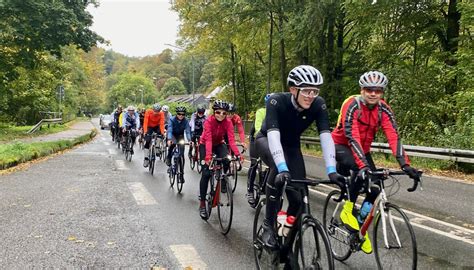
point(80, 209)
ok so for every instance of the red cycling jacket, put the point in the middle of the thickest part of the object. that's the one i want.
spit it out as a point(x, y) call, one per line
point(213, 134)
point(236, 121)
point(357, 126)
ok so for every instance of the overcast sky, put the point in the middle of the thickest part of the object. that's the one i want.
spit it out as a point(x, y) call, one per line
point(136, 27)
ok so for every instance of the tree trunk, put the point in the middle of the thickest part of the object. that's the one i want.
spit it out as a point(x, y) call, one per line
point(269, 78)
point(232, 53)
point(452, 42)
point(283, 73)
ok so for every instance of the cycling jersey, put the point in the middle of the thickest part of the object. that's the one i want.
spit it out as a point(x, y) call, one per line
point(236, 121)
point(284, 123)
point(117, 116)
point(142, 118)
point(197, 123)
point(213, 134)
point(358, 124)
point(259, 117)
point(131, 121)
point(153, 120)
point(178, 128)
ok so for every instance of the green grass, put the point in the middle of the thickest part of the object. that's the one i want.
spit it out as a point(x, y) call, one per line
point(10, 132)
point(13, 154)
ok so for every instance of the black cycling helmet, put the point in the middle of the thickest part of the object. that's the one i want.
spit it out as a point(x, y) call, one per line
point(180, 109)
point(220, 104)
point(232, 107)
point(201, 109)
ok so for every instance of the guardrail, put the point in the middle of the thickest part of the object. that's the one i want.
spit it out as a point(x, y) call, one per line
point(457, 155)
point(44, 121)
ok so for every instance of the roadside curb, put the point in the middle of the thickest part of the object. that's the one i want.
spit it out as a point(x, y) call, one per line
point(35, 150)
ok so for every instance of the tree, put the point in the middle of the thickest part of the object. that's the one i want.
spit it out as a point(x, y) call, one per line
point(173, 86)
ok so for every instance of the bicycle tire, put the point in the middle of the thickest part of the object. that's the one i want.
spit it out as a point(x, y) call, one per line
point(257, 186)
point(401, 257)
point(130, 148)
point(171, 174)
point(180, 169)
point(151, 160)
point(225, 206)
point(264, 258)
point(233, 175)
point(338, 236)
point(312, 252)
point(192, 162)
point(210, 194)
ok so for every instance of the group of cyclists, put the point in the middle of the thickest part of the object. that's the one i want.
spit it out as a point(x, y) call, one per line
point(275, 138)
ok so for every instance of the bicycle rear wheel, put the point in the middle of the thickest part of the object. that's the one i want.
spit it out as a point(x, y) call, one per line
point(233, 174)
point(397, 248)
point(130, 149)
point(225, 206)
point(192, 162)
point(337, 234)
point(180, 174)
point(312, 248)
point(264, 258)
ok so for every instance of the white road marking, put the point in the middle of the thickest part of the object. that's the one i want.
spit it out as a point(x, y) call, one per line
point(188, 257)
point(112, 151)
point(121, 165)
point(141, 194)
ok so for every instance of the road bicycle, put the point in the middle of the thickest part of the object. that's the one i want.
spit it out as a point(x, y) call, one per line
point(176, 170)
point(156, 140)
point(194, 158)
point(128, 147)
point(394, 240)
point(261, 176)
point(219, 195)
point(305, 247)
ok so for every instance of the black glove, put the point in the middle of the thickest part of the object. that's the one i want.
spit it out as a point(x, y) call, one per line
point(363, 173)
point(336, 178)
point(411, 172)
point(281, 178)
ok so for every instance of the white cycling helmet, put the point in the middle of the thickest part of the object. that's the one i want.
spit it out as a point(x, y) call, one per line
point(304, 75)
point(165, 108)
point(373, 79)
point(130, 108)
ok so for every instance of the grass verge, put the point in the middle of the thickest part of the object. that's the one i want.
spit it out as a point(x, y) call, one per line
point(15, 153)
point(429, 166)
point(9, 132)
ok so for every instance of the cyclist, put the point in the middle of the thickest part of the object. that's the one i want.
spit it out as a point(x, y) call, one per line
point(212, 141)
point(237, 121)
point(115, 124)
point(167, 114)
point(358, 122)
point(154, 122)
point(131, 121)
point(259, 117)
point(288, 115)
point(178, 126)
point(197, 125)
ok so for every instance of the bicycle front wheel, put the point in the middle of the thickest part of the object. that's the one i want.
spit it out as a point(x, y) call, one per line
point(337, 233)
point(225, 206)
point(394, 246)
point(151, 159)
point(180, 174)
point(312, 247)
point(172, 174)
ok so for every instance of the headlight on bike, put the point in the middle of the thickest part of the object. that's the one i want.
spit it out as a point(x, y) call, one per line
point(229, 157)
point(181, 142)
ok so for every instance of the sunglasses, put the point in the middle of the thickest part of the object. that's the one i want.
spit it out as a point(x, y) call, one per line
point(180, 114)
point(310, 92)
point(220, 112)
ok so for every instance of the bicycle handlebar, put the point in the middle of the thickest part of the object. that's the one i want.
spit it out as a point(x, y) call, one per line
point(385, 173)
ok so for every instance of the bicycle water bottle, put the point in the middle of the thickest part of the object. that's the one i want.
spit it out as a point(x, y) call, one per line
point(290, 221)
point(364, 211)
point(281, 218)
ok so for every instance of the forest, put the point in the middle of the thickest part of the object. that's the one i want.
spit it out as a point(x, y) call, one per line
point(424, 47)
